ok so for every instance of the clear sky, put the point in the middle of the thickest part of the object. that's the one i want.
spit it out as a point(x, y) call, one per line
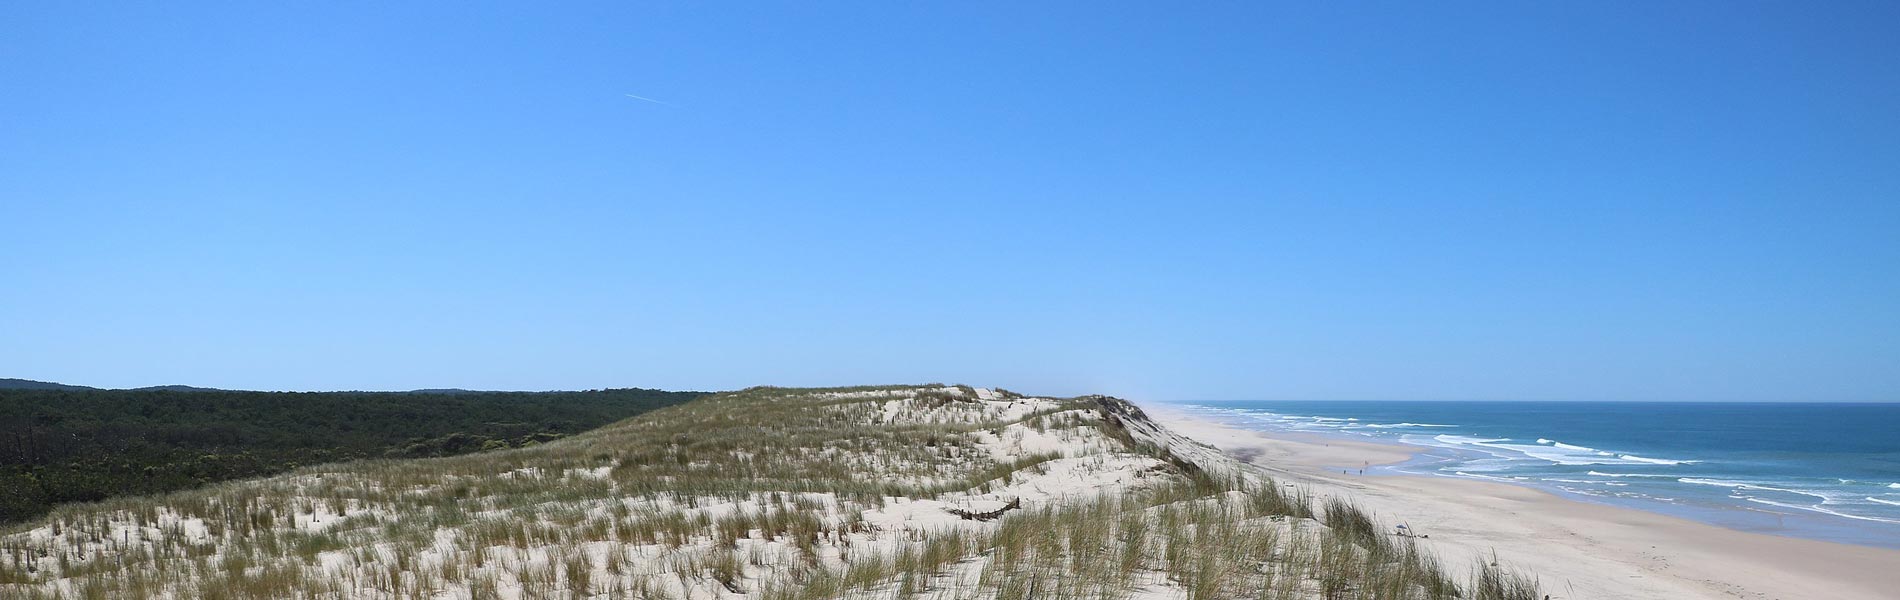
point(1524, 200)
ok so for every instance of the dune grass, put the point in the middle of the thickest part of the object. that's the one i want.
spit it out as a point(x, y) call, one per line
point(766, 493)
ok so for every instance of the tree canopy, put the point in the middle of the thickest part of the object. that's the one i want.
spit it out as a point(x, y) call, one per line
point(79, 445)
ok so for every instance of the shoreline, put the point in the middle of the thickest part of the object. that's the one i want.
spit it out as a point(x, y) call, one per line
point(1738, 518)
point(1577, 549)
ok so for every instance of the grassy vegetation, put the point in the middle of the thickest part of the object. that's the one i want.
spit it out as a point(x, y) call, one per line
point(85, 445)
point(766, 493)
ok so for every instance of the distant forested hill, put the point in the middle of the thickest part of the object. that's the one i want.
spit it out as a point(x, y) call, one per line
point(76, 444)
point(28, 384)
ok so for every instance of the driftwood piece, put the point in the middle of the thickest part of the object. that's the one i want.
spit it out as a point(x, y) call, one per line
point(986, 516)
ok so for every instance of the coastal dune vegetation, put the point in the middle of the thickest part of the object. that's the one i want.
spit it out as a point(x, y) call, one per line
point(62, 444)
point(942, 492)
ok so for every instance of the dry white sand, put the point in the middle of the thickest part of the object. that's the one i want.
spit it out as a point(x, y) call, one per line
point(1576, 549)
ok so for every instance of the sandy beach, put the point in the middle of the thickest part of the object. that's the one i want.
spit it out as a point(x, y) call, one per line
point(1576, 549)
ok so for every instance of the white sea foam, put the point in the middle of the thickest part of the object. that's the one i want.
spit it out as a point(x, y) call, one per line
point(1488, 465)
point(1817, 508)
point(1567, 454)
point(1654, 461)
point(1629, 457)
point(1893, 502)
point(1657, 475)
point(1562, 456)
point(1580, 491)
point(1465, 440)
point(1750, 485)
point(1547, 450)
point(1565, 446)
point(1894, 485)
point(1477, 476)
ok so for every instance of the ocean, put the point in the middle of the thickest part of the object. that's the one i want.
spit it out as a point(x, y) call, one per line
point(1821, 471)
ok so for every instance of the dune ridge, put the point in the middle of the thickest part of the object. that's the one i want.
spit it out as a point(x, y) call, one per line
point(879, 492)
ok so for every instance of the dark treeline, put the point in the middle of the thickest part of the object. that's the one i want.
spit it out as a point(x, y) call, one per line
point(59, 446)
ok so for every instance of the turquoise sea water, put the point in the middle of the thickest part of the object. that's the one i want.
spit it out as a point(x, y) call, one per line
point(1822, 471)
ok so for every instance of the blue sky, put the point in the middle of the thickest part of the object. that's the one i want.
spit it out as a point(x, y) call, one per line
point(1605, 200)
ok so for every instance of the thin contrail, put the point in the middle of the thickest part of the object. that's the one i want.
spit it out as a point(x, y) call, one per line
point(648, 99)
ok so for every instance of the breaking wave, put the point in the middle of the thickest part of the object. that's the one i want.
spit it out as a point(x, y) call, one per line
point(1656, 475)
point(1501, 453)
